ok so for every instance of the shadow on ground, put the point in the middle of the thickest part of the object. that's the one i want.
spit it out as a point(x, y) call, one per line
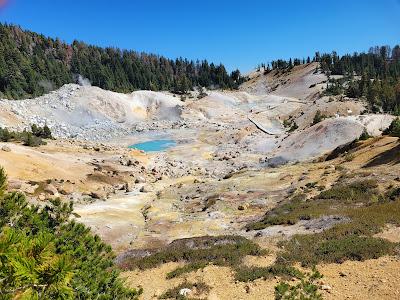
point(390, 157)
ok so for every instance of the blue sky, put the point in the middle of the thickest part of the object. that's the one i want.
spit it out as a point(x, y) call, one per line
point(239, 34)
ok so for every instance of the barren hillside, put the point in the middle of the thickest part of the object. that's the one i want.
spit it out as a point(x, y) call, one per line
point(239, 164)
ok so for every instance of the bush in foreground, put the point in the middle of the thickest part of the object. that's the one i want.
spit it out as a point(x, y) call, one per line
point(44, 255)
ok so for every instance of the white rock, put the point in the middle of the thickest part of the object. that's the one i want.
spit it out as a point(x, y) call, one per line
point(6, 148)
point(185, 292)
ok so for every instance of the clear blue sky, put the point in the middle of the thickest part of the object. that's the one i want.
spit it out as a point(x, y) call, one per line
point(239, 34)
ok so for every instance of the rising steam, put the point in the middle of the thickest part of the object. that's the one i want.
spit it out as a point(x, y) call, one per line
point(82, 80)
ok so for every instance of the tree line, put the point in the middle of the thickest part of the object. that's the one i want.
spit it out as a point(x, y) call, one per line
point(373, 75)
point(32, 64)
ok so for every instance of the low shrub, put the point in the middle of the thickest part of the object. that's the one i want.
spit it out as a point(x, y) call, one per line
point(305, 290)
point(41, 132)
point(5, 135)
point(347, 241)
point(293, 127)
point(360, 202)
point(356, 192)
point(394, 128)
point(364, 135)
point(334, 201)
point(318, 117)
point(33, 138)
point(187, 269)
point(198, 253)
point(310, 250)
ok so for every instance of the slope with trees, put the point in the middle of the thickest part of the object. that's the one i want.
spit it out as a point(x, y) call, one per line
point(373, 76)
point(32, 64)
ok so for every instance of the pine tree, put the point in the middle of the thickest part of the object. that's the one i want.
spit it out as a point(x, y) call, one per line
point(45, 255)
point(31, 64)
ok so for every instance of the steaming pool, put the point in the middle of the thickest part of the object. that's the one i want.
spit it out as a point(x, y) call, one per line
point(154, 145)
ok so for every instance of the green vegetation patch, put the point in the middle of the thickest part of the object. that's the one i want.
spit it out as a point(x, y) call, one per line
point(198, 253)
point(367, 209)
point(310, 250)
point(319, 117)
point(307, 289)
point(336, 200)
point(347, 241)
point(45, 255)
point(356, 192)
point(33, 138)
point(394, 128)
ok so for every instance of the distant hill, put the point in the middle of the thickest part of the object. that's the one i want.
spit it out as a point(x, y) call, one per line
point(32, 64)
point(373, 76)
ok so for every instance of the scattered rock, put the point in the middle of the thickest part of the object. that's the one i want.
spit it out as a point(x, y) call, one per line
point(98, 195)
point(326, 287)
point(140, 179)
point(247, 289)
point(51, 189)
point(243, 206)
point(128, 187)
point(14, 185)
point(29, 188)
point(120, 187)
point(185, 292)
point(65, 190)
point(6, 148)
point(145, 189)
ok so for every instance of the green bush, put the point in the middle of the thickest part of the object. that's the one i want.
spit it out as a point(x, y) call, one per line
point(198, 253)
point(310, 250)
point(356, 192)
point(187, 269)
point(45, 255)
point(318, 117)
point(365, 212)
point(305, 290)
point(394, 128)
point(33, 138)
point(334, 200)
point(41, 132)
point(351, 240)
point(293, 127)
point(364, 135)
point(5, 135)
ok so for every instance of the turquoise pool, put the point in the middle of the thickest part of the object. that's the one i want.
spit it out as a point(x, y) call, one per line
point(154, 146)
